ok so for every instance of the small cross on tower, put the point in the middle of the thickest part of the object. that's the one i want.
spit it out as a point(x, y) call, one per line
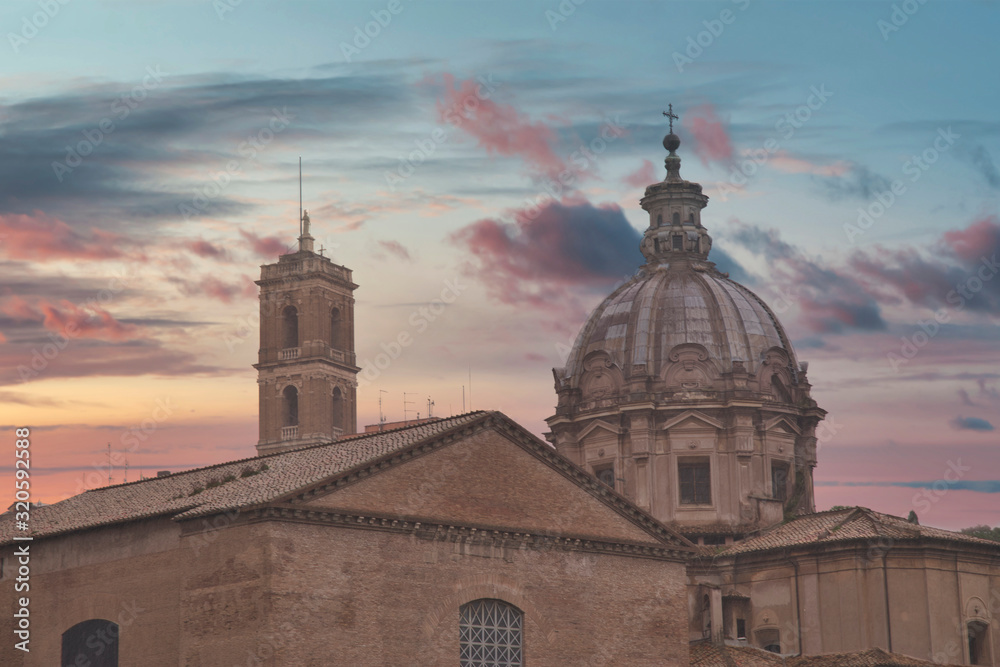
point(669, 113)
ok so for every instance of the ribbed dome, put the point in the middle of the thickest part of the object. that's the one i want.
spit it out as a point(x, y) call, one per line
point(643, 320)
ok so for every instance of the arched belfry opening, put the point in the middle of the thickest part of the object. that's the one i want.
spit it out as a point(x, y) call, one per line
point(336, 329)
point(337, 408)
point(290, 327)
point(291, 406)
point(306, 366)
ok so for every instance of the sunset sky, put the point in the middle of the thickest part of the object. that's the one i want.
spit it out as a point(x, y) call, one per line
point(149, 165)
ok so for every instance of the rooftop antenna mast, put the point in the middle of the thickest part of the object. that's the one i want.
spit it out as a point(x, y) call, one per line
point(405, 403)
point(381, 417)
point(430, 407)
point(109, 464)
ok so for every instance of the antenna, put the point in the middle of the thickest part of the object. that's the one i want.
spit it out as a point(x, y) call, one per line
point(463, 399)
point(430, 407)
point(126, 468)
point(300, 195)
point(109, 464)
point(381, 417)
point(405, 403)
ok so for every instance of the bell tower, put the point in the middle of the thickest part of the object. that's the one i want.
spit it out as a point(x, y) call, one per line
point(305, 370)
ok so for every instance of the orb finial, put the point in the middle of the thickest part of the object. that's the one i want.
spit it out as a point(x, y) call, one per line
point(671, 142)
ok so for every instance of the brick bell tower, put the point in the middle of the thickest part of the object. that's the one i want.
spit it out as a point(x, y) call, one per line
point(305, 369)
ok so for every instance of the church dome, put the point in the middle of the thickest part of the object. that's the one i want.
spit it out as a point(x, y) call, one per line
point(663, 307)
point(678, 298)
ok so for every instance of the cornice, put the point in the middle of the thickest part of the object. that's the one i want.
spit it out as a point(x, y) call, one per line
point(466, 534)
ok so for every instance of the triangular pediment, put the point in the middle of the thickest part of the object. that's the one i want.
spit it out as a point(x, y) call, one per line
point(492, 478)
point(601, 427)
point(782, 424)
point(692, 419)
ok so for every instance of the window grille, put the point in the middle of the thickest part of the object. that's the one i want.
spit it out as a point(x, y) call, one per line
point(491, 634)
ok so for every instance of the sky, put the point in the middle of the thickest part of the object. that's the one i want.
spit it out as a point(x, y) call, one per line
point(149, 165)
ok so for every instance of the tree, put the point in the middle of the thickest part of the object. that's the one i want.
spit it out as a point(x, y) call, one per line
point(983, 532)
point(912, 518)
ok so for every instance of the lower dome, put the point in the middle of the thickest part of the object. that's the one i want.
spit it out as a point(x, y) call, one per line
point(647, 317)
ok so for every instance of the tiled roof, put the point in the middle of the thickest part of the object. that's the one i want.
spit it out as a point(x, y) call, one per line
point(276, 475)
point(707, 654)
point(873, 657)
point(854, 523)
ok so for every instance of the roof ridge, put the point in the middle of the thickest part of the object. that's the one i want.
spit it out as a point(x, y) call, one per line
point(351, 438)
point(358, 436)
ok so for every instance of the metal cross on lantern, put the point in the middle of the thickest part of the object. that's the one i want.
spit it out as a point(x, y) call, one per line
point(669, 113)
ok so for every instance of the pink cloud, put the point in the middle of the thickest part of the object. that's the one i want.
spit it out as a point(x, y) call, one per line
point(938, 275)
point(208, 250)
point(71, 320)
point(978, 239)
point(215, 288)
point(711, 140)
point(42, 237)
point(268, 247)
point(643, 176)
point(784, 161)
point(499, 128)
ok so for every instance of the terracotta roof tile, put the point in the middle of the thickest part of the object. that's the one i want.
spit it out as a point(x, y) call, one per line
point(707, 654)
point(873, 657)
point(240, 483)
point(855, 523)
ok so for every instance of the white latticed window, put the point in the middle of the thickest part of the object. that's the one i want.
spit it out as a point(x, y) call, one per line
point(492, 634)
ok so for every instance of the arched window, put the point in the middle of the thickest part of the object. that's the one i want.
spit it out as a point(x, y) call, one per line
point(677, 218)
point(659, 219)
point(338, 408)
point(491, 634)
point(336, 330)
point(691, 218)
point(290, 327)
point(769, 640)
point(291, 396)
point(93, 642)
point(979, 643)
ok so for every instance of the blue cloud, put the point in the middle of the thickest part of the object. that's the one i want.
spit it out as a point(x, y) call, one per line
point(977, 485)
point(971, 424)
